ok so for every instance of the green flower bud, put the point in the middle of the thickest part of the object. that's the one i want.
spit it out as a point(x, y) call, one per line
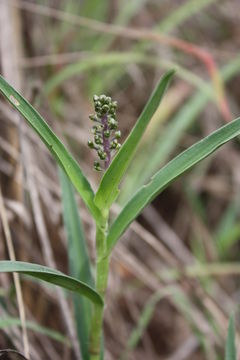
point(102, 98)
point(97, 166)
point(94, 130)
point(98, 105)
point(105, 108)
point(93, 117)
point(118, 134)
point(100, 128)
point(98, 139)
point(91, 144)
point(112, 112)
point(114, 105)
point(102, 154)
point(112, 123)
point(114, 144)
point(97, 129)
point(107, 133)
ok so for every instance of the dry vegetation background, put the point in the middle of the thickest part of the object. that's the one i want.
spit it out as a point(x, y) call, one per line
point(175, 274)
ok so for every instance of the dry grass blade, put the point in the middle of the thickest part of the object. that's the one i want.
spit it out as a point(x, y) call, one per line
point(12, 256)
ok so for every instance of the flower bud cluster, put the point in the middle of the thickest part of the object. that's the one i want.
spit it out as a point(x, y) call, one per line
point(106, 135)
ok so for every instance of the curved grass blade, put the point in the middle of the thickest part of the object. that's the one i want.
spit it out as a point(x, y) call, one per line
point(163, 178)
point(108, 189)
point(57, 149)
point(78, 261)
point(230, 351)
point(116, 59)
point(93, 61)
point(181, 14)
point(52, 276)
point(172, 133)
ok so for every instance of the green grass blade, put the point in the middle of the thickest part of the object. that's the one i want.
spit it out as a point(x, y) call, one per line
point(170, 137)
point(8, 322)
point(182, 13)
point(52, 276)
point(116, 59)
point(88, 63)
point(163, 178)
point(108, 189)
point(145, 318)
point(78, 261)
point(57, 149)
point(227, 231)
point(230, 351)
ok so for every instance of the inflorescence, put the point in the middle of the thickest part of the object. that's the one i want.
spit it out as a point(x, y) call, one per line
point(105, 131)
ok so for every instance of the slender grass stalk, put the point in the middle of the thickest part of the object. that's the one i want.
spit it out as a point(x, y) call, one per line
point(102, 269)
point(18, 287)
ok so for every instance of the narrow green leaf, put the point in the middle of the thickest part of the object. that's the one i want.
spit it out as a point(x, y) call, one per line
point(78, 261)
point(159, 152)
point(101, 60)
point(181, 14)
point(230, 351)
point(52, 276)
point(108, 189)
point(163, 178)
point(57, 149)
point(144, 319)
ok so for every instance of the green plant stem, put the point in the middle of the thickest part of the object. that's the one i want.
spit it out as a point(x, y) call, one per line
point(102, 269)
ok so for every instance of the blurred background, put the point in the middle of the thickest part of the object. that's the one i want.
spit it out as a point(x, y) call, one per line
point(175, 273)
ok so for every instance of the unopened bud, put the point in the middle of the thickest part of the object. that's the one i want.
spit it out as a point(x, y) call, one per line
point(91, 144)
point(112, 123)
point(98, 139)
point(106, 133)
point(97, 166)
point(105, 108)
point(117, 134)
point(102, 98)
point(102, 155)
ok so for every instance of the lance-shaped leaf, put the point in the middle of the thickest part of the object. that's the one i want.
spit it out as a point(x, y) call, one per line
point(108, 189)
point(52, 276)
point(230, 351)
point(167, 174)
point(79, 262)
point(56, 147)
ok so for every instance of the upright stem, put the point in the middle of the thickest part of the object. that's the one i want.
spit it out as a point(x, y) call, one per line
point(102, 268)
